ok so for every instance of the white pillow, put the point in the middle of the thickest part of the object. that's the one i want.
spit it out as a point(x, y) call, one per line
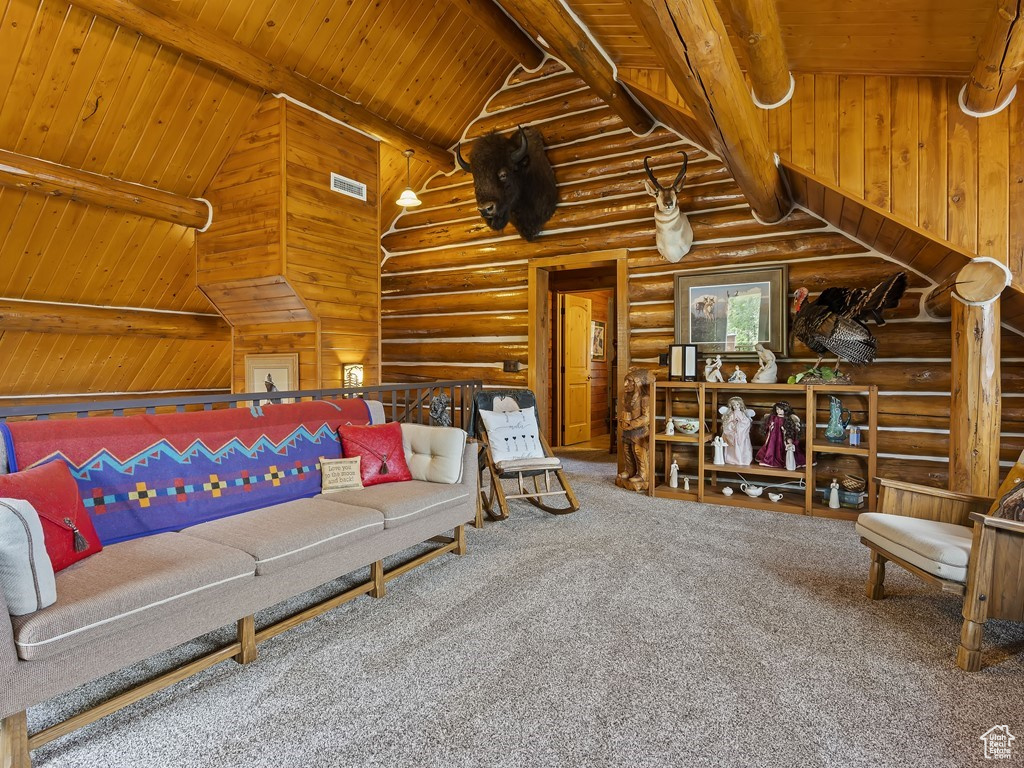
point(26, 573)
point(513, 434)
point(501, 404)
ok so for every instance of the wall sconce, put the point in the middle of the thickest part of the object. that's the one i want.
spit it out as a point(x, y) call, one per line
point(408, 197)
point(351, 375)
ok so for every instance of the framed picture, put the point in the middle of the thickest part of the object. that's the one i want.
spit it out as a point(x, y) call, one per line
point(271, 373)
point(597, 340)
point(728, 312)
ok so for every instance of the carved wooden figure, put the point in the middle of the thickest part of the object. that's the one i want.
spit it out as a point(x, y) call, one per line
point(635, 420)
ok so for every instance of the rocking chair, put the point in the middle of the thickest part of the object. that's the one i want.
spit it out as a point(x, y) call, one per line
point(493, 495)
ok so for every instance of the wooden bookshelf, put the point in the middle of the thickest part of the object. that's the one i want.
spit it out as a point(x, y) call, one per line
point(701, 400)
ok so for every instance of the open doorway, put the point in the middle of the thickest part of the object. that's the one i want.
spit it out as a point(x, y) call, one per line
point(566, 364)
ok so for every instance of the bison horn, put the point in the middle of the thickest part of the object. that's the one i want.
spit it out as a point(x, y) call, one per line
point(462, 163)
point(650, 174)
point(520, 153)
point(682, 173)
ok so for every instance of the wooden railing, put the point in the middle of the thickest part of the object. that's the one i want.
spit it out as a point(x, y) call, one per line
point(402, 402)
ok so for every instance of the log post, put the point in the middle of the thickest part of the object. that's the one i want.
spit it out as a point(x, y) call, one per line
point(689, 37)
point(756, 23)
point(31, 174)
point(981, 278)
point(975, 414)
point(993, 81)
point(571, 43)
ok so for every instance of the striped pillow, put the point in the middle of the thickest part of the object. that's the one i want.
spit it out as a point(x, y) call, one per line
point(26, 574)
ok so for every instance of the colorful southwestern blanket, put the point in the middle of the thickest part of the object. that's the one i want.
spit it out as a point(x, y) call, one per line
point(141, 475)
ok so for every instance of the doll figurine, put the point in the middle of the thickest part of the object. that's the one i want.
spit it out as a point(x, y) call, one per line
point(736, 422)
point(781, 429)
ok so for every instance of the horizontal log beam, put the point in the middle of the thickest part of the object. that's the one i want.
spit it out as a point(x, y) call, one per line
point(490, 301)
point(31, 174)
point(689, 37)
point(45, 317)
point(574, 46)
point(490, 18)
point(756, 23)
point(192, 38)
point(1000, 61)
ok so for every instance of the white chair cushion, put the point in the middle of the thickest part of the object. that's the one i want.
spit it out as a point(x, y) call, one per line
point(941, 549)
point(434, 454)
point(526, 465)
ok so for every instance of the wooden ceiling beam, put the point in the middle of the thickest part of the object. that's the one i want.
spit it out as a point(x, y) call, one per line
point(30, 174)
point(993, 80)
point(505, 32)
point(175, 30)
point(756, 23)
point(573, 45)
point(689, 37)
point(47, 317)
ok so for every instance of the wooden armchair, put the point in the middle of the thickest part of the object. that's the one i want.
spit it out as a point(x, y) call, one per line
point(949, 540)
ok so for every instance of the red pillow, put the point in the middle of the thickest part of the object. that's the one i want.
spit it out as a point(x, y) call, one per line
point(382, 458)
point(68, 532)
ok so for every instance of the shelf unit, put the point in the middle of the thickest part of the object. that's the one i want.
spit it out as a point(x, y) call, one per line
point(703, 399)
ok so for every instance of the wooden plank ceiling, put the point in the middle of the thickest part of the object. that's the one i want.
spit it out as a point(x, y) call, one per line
point(923, 37)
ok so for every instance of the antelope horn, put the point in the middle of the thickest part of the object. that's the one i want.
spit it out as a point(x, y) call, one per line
point(462, 163)
point(682, 172)
point(651, 175)
point(520, 153)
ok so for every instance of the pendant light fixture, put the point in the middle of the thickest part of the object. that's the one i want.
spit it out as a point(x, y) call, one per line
point(408, 198)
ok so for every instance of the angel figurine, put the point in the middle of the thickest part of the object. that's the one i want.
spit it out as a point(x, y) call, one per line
point(781, 428)
point(736, 422)
point(719, 444)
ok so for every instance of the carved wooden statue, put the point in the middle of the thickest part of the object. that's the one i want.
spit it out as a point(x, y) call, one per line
point(635, 420)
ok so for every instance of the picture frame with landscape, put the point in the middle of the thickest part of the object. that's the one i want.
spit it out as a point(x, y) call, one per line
point(728, 312)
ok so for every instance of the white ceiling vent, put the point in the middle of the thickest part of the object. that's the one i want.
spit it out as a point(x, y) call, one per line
point(348, 186)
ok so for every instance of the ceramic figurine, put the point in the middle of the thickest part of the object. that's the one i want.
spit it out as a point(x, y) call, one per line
point(768, 372)
point(635, 421)
point(781, 428)
point(719, 445)
point(791, 457)
point(833, 495)
point(670, 427)
point(686, 483)
point(673, 475)
point(738, 376)
point(713, 369)
point(736, 422)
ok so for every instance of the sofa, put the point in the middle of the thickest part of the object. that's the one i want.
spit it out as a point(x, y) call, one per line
point(155, 590)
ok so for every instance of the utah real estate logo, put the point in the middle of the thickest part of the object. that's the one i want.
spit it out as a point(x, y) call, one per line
point(998, 742)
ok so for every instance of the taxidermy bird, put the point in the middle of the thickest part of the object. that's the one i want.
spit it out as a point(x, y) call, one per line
point(835, 322)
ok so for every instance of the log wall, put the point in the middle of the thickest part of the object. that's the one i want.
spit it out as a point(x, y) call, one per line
point(447, 277)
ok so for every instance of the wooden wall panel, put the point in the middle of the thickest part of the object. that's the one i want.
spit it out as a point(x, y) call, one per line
point(923, 160)
point(444, 287)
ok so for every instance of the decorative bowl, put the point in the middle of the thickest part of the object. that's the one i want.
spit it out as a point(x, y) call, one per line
point(686, 425)
point(727, 491)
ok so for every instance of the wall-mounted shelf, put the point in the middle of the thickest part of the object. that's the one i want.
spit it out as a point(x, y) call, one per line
point(701, 400)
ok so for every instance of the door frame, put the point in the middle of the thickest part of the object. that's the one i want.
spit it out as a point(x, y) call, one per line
point(539, 323)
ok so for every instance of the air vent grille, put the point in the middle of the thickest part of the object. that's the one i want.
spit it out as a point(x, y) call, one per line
point(347, 186)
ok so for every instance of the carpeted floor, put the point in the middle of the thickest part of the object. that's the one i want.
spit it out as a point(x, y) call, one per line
point(637, 632)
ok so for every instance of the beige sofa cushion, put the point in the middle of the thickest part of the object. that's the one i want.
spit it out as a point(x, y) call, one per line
point(434, 454)
point(284, 535)
point(402, 503)
point(941, 549)
point(126, 585)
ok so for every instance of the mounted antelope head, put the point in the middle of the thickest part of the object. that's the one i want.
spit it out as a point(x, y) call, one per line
point(674, 235)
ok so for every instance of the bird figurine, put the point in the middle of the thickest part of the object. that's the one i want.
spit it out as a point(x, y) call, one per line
point(835, 322)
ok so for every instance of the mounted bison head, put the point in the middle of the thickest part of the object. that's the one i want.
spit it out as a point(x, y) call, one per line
point(513, 180)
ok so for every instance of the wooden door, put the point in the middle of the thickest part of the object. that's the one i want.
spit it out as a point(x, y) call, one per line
point(575, 389)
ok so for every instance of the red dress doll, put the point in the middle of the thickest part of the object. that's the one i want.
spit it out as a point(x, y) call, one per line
point(781, 429)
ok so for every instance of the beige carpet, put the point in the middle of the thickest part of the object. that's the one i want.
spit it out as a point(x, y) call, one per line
point(637, 632)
